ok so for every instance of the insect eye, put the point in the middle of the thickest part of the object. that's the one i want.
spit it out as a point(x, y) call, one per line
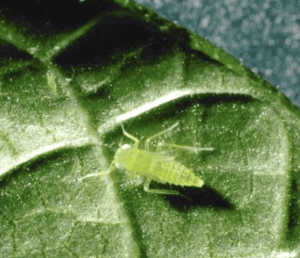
point(126, 147)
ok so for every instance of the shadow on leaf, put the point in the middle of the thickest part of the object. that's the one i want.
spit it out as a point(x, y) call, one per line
point(204, 197)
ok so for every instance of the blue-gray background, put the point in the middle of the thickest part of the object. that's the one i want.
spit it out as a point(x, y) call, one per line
point(263, 34)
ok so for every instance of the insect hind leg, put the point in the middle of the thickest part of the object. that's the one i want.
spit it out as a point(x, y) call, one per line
point(187, 148)
point(158, 191)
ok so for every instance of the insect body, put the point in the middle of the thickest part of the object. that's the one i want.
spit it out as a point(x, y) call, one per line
point(153, 165)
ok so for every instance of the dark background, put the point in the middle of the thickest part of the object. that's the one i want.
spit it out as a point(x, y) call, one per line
point(263, 34)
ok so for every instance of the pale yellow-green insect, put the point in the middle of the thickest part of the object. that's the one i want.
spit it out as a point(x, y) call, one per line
point(153, 165)
point(51, 82)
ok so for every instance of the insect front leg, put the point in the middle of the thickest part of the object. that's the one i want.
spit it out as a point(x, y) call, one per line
point(158, 191)
point(111, 167)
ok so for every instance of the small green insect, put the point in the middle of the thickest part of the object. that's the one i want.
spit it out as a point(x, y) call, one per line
point(51, 82)
point(153, 165)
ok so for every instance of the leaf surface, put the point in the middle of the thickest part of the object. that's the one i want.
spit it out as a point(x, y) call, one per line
point(66, 87)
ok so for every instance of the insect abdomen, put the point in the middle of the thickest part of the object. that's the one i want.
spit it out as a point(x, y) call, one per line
point(173, 172)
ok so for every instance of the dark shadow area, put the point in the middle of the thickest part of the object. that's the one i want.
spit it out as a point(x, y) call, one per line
point(47, 16)
point(111, 37)
point(213, 99)
point(9, 53)
point(193, 197)
point(122, 35)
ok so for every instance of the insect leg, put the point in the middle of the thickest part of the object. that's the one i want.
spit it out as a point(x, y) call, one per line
point(158, 191)
point(188, 148)
point(159, 134)
point(99, 173)
point(136, 141)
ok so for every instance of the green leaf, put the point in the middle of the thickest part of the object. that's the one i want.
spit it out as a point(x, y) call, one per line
point(65, 88)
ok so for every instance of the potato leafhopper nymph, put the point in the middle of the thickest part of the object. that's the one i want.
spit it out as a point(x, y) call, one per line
point(154, 165)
